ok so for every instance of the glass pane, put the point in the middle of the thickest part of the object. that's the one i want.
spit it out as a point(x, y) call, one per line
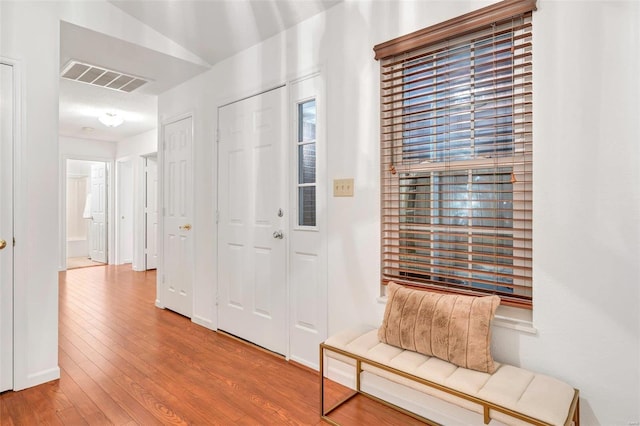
point(492, 256)
point(451, 254)
point(458, 103)
point(451, 198)
point(307, 121)
point(492, 198)
point(307, 206)
point(307, 163)
point(415, 193)
point(414, 248)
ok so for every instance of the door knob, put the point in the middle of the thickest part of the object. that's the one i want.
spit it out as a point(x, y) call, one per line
point(186, 227)
point(3, 244)
point(278, 235)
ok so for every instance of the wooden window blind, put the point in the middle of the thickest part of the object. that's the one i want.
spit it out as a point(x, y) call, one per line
point(456, 155)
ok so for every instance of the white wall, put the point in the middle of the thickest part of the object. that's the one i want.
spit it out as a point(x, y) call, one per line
point(36, 184)
point(587, 197)
point(142, 144)
point(82, 149)
point(29, 34)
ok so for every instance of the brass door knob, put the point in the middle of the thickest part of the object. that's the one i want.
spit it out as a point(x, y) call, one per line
point(186, 227)
point(3, 244)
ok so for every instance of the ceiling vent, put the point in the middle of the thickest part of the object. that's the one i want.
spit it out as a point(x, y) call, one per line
point(99, 76)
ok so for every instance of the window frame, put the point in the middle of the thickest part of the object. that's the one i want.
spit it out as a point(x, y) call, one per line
point(465, 25)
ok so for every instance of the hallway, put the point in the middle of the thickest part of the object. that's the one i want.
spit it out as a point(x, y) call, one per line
point(124, 361)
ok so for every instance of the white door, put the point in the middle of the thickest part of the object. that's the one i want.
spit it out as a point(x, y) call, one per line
point(308, 239)
point(178, 217)
point(6, 227)
point(98, 233)
point(252, 220)
point(151, 213)
point(125, 212)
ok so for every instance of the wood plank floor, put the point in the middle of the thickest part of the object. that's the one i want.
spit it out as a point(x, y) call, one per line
point(125, 362)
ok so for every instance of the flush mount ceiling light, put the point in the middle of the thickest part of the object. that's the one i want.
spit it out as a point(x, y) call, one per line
point(111, 119)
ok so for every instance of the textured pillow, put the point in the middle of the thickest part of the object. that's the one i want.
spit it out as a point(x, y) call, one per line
point(450, 327)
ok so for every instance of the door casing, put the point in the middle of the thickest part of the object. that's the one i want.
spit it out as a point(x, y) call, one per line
point(151, 214)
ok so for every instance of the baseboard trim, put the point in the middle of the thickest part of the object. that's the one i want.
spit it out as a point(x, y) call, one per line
point(205, 322)
point(340, 376)
point(38, 379)
point(305, 363)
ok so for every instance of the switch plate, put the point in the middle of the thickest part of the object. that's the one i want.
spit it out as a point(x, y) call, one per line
point(343, 187)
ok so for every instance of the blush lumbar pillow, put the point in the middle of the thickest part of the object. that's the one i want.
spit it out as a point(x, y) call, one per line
point(451, 327)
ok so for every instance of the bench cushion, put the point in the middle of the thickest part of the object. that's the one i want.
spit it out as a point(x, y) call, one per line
point(536, 395)
point(452, 327)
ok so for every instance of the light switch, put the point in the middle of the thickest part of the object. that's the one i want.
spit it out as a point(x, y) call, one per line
point(343, 187)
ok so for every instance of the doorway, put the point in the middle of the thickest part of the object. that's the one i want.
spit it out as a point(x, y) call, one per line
point(86, 213)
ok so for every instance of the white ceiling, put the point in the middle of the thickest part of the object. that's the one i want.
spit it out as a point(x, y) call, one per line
point(217, 29)
point(211, 29)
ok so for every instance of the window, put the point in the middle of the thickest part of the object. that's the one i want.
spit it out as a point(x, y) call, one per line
point(456, 155)
point(307, 163)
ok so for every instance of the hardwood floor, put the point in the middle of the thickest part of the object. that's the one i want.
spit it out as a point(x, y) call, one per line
point(125, 362)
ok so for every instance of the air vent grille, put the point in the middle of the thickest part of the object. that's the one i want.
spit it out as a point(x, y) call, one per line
point(99, 76)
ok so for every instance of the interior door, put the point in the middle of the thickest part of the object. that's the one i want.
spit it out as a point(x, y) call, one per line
point(178, 216)
point(125, 212)
point(151, 213)
point(6, 227)
point(252, 220)
point(98, 233)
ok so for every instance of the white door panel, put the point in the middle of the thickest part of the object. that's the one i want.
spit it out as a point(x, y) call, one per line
point(151, 214)
point(308, 239)
point(6, 227)
point(178, 218)
point(252, 204)
point(98, 233)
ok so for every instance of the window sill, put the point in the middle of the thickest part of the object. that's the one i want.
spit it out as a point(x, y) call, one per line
point(506, 317)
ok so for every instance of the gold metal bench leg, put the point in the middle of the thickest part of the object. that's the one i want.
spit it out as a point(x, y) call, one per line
point(321, 381)
point(324, 414)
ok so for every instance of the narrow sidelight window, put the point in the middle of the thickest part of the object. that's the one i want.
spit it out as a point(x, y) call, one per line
point(307, 163)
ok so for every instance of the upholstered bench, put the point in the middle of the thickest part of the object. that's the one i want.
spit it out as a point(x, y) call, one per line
point(508, 394)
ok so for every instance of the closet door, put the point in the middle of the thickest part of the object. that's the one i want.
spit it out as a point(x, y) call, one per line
point(253, 220)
